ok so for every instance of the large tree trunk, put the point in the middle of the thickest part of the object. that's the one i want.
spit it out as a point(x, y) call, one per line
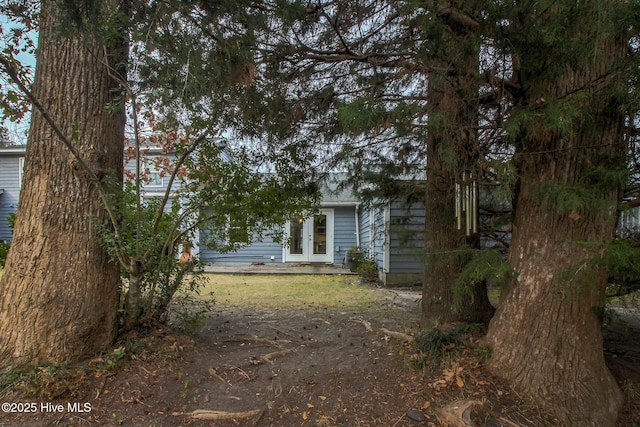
point(59, 292)
point(451, 150)
point(546, 334)
point(447, 252)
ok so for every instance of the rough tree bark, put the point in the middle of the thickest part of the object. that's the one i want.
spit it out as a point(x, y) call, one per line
point(451, 149)
point(445, 257)
point(59, 292)
point(546, 335)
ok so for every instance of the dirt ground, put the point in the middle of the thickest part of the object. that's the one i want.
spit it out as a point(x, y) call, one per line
point(318, 367)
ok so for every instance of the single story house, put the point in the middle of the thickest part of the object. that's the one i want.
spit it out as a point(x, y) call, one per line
point(11, 164)
point(387, 230)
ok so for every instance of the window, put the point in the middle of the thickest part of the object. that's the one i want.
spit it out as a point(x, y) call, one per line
point(20, 170)
point(238, 229)
point(151, 174)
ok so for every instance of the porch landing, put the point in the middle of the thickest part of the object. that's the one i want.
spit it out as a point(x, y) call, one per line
point(275, 268)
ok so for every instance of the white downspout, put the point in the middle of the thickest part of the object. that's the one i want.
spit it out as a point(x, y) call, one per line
point(372, 231)
point(357, 225)
point(287, 227)
point(387, 237)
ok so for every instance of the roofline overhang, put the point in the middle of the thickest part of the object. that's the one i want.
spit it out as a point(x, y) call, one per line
point(13, 150)
point(339, 203)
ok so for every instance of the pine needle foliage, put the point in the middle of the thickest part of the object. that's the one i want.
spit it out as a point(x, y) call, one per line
point(622, 262)
point(436, 344)
point(479, 266)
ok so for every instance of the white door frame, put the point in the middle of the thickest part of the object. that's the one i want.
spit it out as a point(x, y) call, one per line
point(312, 244)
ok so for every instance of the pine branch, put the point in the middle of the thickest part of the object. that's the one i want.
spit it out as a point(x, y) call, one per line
point(633, 203)
point(452, 15)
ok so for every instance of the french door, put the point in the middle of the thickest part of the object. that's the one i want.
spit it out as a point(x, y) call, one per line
point(310, 239)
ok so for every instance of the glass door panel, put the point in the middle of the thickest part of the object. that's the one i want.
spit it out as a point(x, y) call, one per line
point(310, 239)
point(296, 236)
point(320, 234)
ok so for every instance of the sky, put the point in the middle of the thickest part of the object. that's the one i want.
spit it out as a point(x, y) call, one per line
point(17, 131)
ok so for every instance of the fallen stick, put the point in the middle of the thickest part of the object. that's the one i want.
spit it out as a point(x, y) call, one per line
point(274, 343)
point(393, 334)
point(367, 325)
point(213, 373)
point(283, 332)
point(206, 414)
point(268, 357)
point(398, 335)
point(243, 372)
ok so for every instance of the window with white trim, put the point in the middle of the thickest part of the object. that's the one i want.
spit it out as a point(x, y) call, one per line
point(153, 176)
point(20, 170)
point(238, 231)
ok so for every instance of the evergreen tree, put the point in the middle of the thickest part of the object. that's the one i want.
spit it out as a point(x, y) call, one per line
point(388, 91)
point(350, 83)
point(569, 103)
point(383, 83)
point(454, 164)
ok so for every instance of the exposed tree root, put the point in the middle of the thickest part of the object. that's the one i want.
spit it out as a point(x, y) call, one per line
point(393, 334)
point(275, 343)
point(459, 414)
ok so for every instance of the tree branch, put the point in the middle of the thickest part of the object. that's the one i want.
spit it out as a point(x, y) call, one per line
point(13, 74)
point(190, 149)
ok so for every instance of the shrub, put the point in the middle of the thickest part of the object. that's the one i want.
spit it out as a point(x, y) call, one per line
point(363, 264)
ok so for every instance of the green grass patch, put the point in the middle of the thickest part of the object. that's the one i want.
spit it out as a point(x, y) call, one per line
point(292, 292)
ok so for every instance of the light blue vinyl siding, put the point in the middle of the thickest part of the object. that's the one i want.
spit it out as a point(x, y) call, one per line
point(258, 251)
point(344, 237)
point(149, 160)
point(394, 234)
point(372, 235)
point(364, 217)
point(380, 236)
point(344, 229)
point(629, 223)
point(406, 237)
point(10, 184)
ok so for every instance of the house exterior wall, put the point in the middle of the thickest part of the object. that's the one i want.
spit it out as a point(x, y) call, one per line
point(382, 241)
point(265, 250)
point(268, 250)
point(364, 216)
point(392, 232)
point(11, 160)
point(629, 222)
point(405, 244)
point(148, 160)
point(344, 229)
point(373, 238)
